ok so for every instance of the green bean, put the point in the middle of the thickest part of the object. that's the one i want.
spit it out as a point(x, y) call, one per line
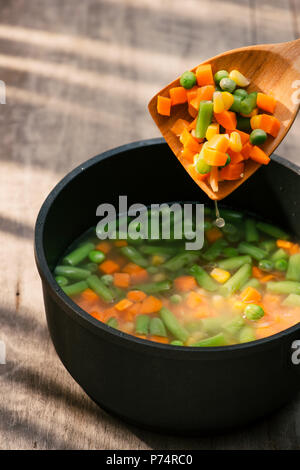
point(158, 250)
point(217, 340)
point(243, 123)
point(173, 325)
point(204, 118)
point(61, 281)
point(203, 278)
point(251, 232)
point(193, 326)
point(142, 324)
point(247, 335)
point(188, 79)
point(96, 256)
point(230, 252)
point(113, 322)
point(79, 254)
point(233, 326)
point(229, 229)
point(227, 84)
point(279, 254)
point(248, 103)
point(266, 265)
point(281, 264)
point(92, 267)
point(212, 325)
point(231, 216)
point(100, 288)
point(252, 250)
point(236, 105)
point(202, 167)
point(70, 272)
point(240, 92)
point(293, 270)
point(154, 287)
point(176, 342)
point(292, 300)
point(254, 312)
point(134, 255)
point(175, 299)
point(272, 230)
point(258, 137)
point(237, 280)
point(268, 245)
point(157, 328)
point(235, 262)
point(219, 75)
point(107, 279)
point(284, 287)
point(75, 289)
point(179, 261)
point(214, 250)
point(253, 282)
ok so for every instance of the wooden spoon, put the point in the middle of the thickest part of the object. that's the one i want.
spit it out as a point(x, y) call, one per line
point(272, 68)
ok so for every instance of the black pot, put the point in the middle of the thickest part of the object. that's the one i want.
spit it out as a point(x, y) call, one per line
point(167, 388)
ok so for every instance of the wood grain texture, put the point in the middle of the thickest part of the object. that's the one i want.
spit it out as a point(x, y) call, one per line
point(79, 76)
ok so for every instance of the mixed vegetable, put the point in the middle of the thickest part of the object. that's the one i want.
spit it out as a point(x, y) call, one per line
point(244, 284)
point(229, 124)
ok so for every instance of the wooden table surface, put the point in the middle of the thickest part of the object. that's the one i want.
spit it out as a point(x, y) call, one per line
point(78, 78)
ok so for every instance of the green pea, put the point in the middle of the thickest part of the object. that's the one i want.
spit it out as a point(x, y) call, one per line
point(219, 75)
point(176, 299)
point(188, 79)
point(61, 281)
point(266, 265)
point(254, 312)
point(227, 84)
point(281, 264)
point(258, 137)
point(96, 256)
point(202, 167)
point(240, 92)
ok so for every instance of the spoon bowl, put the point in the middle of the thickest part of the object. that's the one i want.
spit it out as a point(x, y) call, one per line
point(272, 69)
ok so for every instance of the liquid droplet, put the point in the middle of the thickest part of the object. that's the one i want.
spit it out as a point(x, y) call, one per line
point(219, 222)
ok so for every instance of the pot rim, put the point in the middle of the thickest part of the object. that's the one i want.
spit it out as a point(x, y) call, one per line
point(97, 327)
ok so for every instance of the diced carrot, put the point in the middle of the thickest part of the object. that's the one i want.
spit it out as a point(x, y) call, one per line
point(267, 278)
point(236, 157)
point(185, 283)
point(131, 268)
point(90, 295)
point(135, 309)
point(188, 154)
point(111, 312)
point(123, 304)
point(194, 299)
point(105, 247)
point(164, 105)
point(269, 124)
point(179, 126)
point(121, 280)
point(250, 295)
point(214, 157)
point(98, 315)
point(286, 245)
point(243, 135)
point(120, 243)
point(136, 295)
point(192, 109)
point(294, 249)
point(226, 119)
point(189, 141)
point(178, 95)
point(257, 273)
point(233, 171)
point(109, 267)
point(259, 156)
point(213, 234)
point(204, 75)
point(192, 124)
point(214, 178)
point(139, 276)
point(191, 93)
point(159, 339)
point(266, 102)
point(151, 304)
point(204, 93)
point(246, 150)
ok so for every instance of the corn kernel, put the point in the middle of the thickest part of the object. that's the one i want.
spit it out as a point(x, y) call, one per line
point(158, 277)
point(255, 121)
point(228, 99)
point(218, 102)
point(219, 142)
point(220, 275)
point(212, 130)
point(235, 142)
point(239, 78)
point(157, 260)
point(239, 305)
